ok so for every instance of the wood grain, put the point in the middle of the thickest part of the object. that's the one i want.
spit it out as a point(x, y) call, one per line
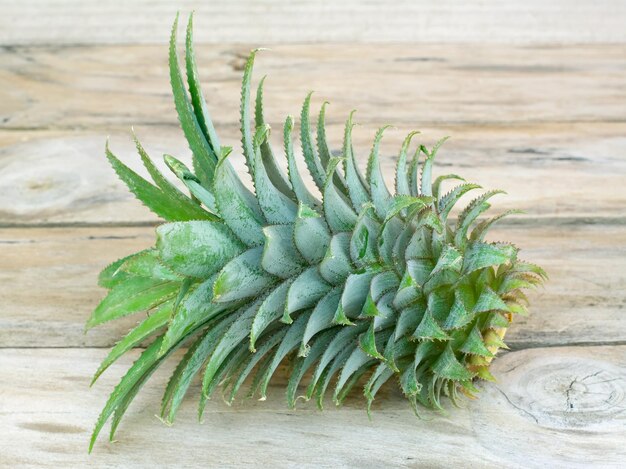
point(63, 177)
point(48, 284)
point(559, 407)
point(428, 85)
point(488, 21)
point(545, 124)
point(533, 96)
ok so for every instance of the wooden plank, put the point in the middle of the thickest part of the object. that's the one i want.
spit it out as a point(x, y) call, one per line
point(557, 407)
point(434, 85)
point(48, 284)
point(552, 172)
point(545, 123)
point(518, 117)
point(493, 21)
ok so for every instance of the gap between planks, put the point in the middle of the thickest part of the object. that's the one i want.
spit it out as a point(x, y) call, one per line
point(528, 221)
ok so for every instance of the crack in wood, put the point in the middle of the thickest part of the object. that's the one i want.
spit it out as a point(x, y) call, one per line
point(524, 411)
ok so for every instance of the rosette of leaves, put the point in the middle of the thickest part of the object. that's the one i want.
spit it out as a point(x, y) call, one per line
point(352, 283)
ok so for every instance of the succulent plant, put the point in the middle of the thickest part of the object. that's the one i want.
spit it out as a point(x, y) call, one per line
point(352, 285)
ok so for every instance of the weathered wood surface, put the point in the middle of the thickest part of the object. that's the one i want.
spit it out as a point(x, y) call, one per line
point(549, 124)
point(147, 21)
point(559, 407)
point(57, 177)
point(545, 122)
point(444, 85)
point(56, 270)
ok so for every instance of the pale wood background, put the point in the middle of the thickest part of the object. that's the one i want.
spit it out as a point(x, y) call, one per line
point(534, 96)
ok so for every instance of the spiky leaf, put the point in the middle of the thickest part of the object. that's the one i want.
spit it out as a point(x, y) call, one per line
point(365, 284)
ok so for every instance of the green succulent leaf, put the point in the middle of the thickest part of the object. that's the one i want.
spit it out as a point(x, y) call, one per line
point(357, 187)
point(136, 375)
point(271, 309)
point(312, 161)
point(273, 171)
point(321, 318)
point(234, 336)
point(290, 342)
point(262, 352)
point(403, 183)
point(363, 248)
point(475, 345)
point(307, 288)
point(147, 264)
point(197, 190)
point(198, 102)
point(304, 363)
point(189, 367)
point(237, 205)
point(280, 255)
point(427, 168)
point(336, 264)
point(205, 158)
point(196, 248)
point(168, 208)
point(378, 188)
point(368, 284)
point(337, 210)
point(277, 207)
point(480, 255)
point(429, 329)
point(448, 366)
point(310, 234)
point(194, 310)
point(303, 194)
point(141, 332)
point(322, 144)
point(185, 205)
point(131, 296)
point(243, 277)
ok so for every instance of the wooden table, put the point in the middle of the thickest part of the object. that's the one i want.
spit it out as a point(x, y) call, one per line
point(546, 122)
